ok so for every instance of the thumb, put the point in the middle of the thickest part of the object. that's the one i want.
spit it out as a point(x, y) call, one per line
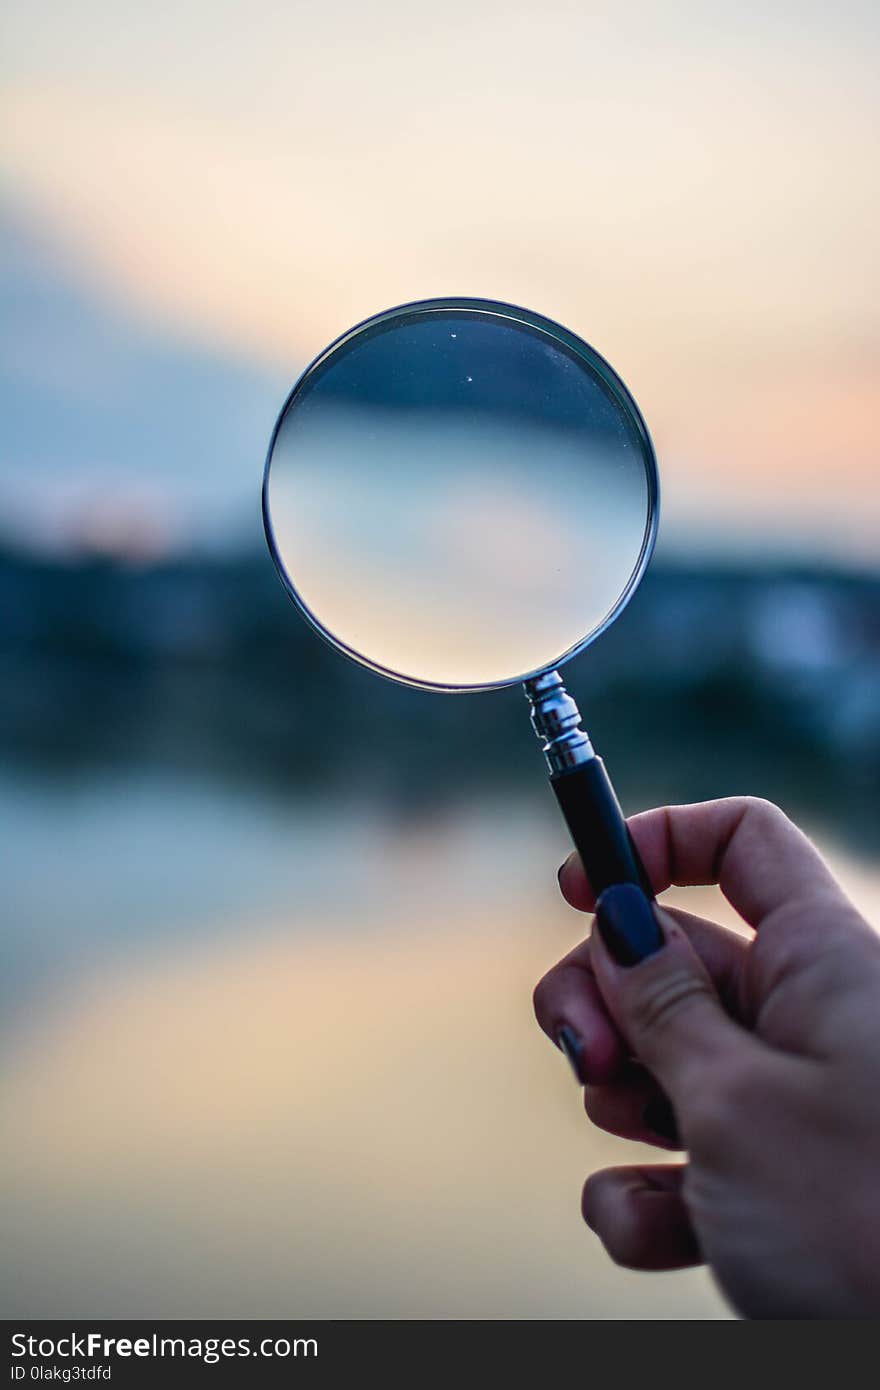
point(659, 993)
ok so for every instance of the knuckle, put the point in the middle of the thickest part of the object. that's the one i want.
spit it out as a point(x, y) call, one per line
point(539, 994)
point(622, 1246)
point(612, 1222)
point(655, 1008)
point(543, 994)
point(760, 809)
point(553, 992)
point(593, 1105)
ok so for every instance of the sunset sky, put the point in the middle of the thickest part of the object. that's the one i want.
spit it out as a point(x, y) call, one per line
point(692, 187)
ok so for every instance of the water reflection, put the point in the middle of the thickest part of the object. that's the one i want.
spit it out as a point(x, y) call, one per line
point(267, 1043)
point(289, 1065)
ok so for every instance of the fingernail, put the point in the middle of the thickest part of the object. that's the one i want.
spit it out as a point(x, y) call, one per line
point(627, 923)
point(659, 1116)
point(571, 1045)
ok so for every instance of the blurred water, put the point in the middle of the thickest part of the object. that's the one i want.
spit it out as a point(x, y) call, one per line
point(262, 1058)
point(106, 867)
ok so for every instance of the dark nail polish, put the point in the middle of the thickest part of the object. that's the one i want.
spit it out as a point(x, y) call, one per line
point(660, 1117)
point(627, 923)
point(571, 1045)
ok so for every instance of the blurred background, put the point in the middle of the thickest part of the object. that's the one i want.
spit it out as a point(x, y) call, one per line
point(267, 1044)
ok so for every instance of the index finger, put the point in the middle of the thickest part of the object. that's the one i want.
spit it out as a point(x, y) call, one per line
point(749, 847)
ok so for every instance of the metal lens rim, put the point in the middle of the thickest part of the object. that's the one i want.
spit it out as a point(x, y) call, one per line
point(562, 336)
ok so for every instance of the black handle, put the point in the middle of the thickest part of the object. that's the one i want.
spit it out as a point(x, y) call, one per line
point(598, 828)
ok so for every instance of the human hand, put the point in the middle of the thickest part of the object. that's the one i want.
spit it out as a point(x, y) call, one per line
point(759, 1056)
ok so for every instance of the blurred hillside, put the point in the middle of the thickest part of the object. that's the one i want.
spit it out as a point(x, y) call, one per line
point(714, 681)
point(110, 421)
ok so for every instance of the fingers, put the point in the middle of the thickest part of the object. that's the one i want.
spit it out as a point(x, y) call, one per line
point(748, 846)
point(640, 1217)
point(665, 1006)
point(568, 997)
point(632, 1106)
point(724, 954)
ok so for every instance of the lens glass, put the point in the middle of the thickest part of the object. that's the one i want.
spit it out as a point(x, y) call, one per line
point(459, 494)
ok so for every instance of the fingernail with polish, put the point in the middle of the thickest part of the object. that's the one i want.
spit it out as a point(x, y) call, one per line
point(626, 920)
point(659, 1117)
point(571, 1045)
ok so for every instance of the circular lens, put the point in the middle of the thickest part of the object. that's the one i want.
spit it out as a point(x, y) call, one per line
point(460, 494)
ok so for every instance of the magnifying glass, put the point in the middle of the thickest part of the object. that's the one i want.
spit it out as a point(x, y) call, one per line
point(462, 495)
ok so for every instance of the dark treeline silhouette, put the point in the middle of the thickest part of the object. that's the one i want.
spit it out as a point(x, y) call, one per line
point(714, 681)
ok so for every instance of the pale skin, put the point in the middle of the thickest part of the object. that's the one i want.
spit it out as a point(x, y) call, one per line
point(767, 1047)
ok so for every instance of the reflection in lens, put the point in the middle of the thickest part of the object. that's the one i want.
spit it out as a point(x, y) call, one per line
point(457, 497)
